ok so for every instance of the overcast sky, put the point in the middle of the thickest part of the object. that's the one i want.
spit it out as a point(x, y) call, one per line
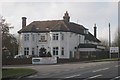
point(84, 13)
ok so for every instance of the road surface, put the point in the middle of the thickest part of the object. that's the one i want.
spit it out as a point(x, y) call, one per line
point(108, 70)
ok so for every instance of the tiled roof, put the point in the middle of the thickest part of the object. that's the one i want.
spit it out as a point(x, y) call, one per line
point(87, 46)
point(90, 37)
point(53, 25)
point(57, 25)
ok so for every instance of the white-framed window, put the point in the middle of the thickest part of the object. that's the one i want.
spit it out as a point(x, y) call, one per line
point(86, 31)
point(62, 36)
point(42, 38)
point(55, 50)
point(26, 51)
point(26, 37)
point(62, 51)
point(33, 37)
point(87, 41)
point(55, 36)
point(33, 51)
point(79, 38)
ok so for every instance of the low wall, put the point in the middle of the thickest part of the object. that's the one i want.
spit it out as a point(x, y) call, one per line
point(67, 60)
point(93, 55)
point(84, 56)
point(81, 57)
point(16, 61)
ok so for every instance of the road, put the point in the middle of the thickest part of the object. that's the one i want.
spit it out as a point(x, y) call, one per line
point(108, 70)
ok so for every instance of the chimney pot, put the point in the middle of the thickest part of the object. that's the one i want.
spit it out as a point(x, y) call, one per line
point(66, 17)
point(95, 32)
point(23, 21)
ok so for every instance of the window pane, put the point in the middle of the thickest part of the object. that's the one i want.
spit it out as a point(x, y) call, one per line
point(28, 49)
point(42, 37)
point(56, 52)
point(62, 52)
point(33, 37)
point(55, 36)
point(24, 37)
point(27, 36)
point(53, 52)
point(56, 48)
point(62, 36)
point(24, 52)
point(32, 51)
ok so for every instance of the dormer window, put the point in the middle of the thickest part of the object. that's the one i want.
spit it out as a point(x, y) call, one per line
point(86, 31)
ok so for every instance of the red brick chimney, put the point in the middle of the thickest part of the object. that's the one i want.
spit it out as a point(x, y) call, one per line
point(66, 17)
point(23, 21)
point(95, 29)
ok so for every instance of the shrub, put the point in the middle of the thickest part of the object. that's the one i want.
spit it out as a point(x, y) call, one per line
point(48, 54)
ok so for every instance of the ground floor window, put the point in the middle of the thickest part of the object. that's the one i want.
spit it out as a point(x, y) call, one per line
point(33, 51)
point(62, 51)
point(26, 51)
point(55, 50)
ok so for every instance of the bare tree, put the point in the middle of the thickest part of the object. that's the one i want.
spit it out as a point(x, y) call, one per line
point(9, 42)
point(115, 42)
point(104, 43)
point(119, 37)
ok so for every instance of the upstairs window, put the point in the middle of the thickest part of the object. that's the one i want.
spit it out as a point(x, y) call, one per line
point(55, 50)
point(79, 38)
point(26, 37)
point(26, 51)
point(62, 36)
point(86, 31)
point(33, 37)
point(42, 38)
point(55, 36)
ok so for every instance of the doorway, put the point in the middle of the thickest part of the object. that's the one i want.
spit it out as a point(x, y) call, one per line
point(42, 52)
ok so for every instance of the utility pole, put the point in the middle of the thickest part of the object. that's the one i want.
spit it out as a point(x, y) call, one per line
point(109, 41)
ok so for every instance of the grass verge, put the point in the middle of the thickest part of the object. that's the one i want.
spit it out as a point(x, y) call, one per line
point(16, 72)
point(98, 60)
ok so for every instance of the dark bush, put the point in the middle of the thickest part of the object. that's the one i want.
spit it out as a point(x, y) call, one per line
point(48, 54)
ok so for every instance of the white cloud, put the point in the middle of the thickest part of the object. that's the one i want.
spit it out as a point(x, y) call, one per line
point(85, 13)
point(59, 0)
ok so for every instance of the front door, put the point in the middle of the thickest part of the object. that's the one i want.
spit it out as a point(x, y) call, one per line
point(42, 52)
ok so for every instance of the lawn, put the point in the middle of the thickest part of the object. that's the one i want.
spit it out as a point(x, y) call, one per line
point(97, 60)
point(16, 72)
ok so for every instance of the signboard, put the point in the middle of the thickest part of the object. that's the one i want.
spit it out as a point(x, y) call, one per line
point(44, 60)
point(114, 49)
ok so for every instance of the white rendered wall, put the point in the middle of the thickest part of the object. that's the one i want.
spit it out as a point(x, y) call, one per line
point(87, 49)
point(71, 40)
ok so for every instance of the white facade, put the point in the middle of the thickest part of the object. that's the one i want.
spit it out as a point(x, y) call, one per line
point(66, 41)
point(59, 37)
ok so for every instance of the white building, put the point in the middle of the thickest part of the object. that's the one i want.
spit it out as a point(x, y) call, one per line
point(59, 37)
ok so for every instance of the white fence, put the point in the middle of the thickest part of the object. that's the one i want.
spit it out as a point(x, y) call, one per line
point(44, 60)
